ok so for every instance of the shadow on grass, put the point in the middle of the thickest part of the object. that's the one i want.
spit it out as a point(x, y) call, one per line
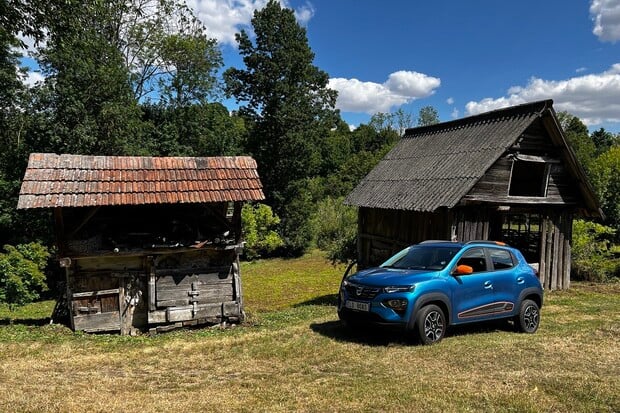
point(329, 299)
point(381, 336)
point(31, 322)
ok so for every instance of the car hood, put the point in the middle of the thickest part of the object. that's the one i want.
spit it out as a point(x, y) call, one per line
point(391, 276)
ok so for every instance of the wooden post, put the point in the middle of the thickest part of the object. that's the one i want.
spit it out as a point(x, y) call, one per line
point(542, 265)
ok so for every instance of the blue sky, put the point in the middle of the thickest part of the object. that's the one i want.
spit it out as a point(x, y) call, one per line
point(462, 57)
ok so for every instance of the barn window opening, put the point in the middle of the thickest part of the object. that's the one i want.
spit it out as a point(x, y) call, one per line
point(528, 179)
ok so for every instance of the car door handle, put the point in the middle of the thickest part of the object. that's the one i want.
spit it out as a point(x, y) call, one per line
point(520, 280)
point(488, 285)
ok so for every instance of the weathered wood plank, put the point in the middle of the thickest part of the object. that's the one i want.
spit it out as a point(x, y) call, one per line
point(96, 293)
point(98, 322)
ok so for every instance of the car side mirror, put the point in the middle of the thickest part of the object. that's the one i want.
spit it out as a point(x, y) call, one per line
point(463, 270)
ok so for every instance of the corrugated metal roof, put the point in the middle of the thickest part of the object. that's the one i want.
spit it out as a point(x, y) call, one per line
point(78, 180)
point(435, 166)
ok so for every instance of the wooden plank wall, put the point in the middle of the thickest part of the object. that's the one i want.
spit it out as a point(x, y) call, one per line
point(555, 256)
point(382, 232)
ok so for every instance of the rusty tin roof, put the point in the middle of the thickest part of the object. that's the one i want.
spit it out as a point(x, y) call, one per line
point(80, 180)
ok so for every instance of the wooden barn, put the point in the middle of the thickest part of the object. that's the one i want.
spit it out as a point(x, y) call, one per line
point(147, 243)
point(506, 175)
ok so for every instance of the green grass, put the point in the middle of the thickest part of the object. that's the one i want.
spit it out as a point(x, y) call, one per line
point(293, 355)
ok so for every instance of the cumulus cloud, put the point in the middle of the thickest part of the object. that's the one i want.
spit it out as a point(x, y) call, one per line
point(593, 97)
point(401, 87)
point(450, 101)
point(224, 18)
point(606, 17)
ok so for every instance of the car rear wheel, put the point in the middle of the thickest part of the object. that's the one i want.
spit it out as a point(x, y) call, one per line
point(431, 324)
point(528, 319)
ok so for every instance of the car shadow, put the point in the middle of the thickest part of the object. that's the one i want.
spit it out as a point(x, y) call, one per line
point(379, 336)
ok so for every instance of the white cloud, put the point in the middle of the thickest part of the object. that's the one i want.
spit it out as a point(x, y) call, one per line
point(401, 87)
point(450, 101)
point(224, 18)
point(455, 113)
point(606, 17)
point(581, 69)
point(32, 78)
point(593, 97)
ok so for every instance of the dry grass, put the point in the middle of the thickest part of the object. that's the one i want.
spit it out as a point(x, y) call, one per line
point(294, 356)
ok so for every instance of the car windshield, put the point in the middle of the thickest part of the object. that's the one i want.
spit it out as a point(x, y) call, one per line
point(420, 257)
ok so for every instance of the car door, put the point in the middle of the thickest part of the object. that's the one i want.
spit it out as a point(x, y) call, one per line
point(472, 293)
point(506, 282)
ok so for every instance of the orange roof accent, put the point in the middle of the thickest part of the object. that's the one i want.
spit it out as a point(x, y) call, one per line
point(54, 180)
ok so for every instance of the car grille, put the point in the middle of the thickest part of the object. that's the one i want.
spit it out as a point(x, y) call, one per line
point(362, 291)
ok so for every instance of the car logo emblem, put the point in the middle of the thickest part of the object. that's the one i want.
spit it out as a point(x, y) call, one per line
point(359, 290)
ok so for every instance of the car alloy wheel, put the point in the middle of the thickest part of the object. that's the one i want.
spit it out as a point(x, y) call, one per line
point(528, 319)
point(431, 324)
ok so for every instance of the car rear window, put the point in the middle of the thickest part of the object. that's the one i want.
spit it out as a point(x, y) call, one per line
point(501, 259)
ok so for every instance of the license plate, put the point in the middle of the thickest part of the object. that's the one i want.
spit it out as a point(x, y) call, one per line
point(357, 305)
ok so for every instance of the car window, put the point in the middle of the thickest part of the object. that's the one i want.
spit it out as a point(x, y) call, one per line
point(475, 258)
point(422, 257)
point(501, 259)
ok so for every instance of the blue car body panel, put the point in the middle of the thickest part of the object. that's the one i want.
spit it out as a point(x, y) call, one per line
point(495, 290)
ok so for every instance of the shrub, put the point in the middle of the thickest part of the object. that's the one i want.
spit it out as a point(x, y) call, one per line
point(593, 252)
point(21, 273)
point(336, 227)
point(259, 223)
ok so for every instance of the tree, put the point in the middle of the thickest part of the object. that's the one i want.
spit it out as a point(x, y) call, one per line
point(290, 110)
point(605, 177)
point(287, 100)
point(87, 91)
point(603, 140)
point(578, 138)
point(428, 115)
point(167, 51)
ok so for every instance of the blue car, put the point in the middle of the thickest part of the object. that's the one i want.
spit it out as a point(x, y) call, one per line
point(428, 286)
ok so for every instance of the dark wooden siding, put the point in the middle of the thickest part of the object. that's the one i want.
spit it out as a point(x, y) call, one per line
point(493, 187)
point(383, 232)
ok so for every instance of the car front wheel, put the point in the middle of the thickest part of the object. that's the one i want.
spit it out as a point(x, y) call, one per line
point(528, 319)
point(431, 324)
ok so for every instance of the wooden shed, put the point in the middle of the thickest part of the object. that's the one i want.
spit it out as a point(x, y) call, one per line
point(505, 175)
point(147, 243)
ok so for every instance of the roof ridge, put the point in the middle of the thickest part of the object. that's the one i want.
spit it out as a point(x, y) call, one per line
point(494, 115)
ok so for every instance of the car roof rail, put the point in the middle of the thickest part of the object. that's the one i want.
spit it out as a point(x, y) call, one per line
point(489, 242)
point(434, 241)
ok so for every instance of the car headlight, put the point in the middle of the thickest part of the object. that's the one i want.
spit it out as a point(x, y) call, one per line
point(399, 289)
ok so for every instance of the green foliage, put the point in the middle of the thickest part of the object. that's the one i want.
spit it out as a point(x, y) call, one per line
point(336, 228)
point(576, 133)
point(259, 230)
point(297, 227)
point(593, 258)
point(605, 177)
point(428, 115)
point(287, 101)
point(21, 273)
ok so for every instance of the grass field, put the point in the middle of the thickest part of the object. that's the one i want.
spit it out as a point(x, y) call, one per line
point(292, 355)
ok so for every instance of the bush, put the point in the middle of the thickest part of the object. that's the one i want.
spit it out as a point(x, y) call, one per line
point(593, 252)
point(21, 273)
point(259, 223)
point(336, 228)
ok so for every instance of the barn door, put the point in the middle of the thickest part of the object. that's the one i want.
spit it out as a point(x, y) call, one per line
point(95, 304)
point(194, 294)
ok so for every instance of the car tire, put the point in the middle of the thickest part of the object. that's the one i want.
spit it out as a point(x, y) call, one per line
point(528, 319)
point(430, 324)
